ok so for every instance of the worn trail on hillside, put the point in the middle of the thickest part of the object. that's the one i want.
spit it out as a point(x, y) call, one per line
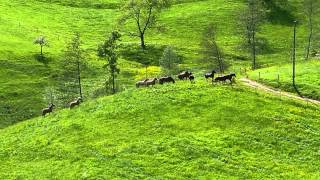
point(257, 85)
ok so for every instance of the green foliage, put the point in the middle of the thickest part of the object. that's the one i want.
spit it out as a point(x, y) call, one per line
point(169, 62)
point(68, 83)
point(144, 14)
point(107, 50)
point(185, 131)
point(251, 20)
point(212, 53)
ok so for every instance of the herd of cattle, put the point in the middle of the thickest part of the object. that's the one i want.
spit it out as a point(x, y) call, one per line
point(185, 75)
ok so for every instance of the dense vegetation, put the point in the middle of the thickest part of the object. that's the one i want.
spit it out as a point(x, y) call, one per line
point(183, 130)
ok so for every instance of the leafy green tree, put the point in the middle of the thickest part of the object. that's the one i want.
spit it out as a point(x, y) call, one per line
point(144, 13)
point(108, 51)
point(74, 54)
point(212, 53)
point(70, 81)
point(169, 61)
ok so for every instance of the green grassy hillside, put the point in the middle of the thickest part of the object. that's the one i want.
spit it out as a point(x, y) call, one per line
point(173, 131)
point(25, 80)
point(307, 78)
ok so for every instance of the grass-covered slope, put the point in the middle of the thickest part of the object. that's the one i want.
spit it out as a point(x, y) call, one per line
point(24, 80)
point(175, 131)
point(307, 78)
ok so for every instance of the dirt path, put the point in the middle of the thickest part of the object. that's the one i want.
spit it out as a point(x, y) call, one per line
point(257, 85)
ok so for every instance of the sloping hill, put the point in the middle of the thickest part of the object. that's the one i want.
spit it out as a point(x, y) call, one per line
point(25, 80)
point(174, 131)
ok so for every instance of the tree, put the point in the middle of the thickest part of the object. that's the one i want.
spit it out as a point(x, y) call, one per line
point(49, 94)
point(311, 9)
point(169, 61)
point(144, 13)
point(42, 42)
point(108, 51)
point(71, 81)
point(251, 19)
point(210, 49)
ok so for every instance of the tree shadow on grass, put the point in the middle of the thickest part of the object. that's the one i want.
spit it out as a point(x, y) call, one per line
point(150, 55)
point(280, 12)
point(42, 59)
point(263, 46)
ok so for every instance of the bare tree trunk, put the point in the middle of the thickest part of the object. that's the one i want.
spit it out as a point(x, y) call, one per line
point(143, 45)
point(309, 46)
point(309, 38)
point(113, 84)
point(219, 59)
point(107, 84)
point(146, 71)
point(254, 52)
point(310, 13)
point(79, 79)
point(221, 65)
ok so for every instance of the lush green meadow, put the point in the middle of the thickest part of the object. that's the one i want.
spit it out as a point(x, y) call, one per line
point(25, 81)
point(307, 78)
point(173, 131)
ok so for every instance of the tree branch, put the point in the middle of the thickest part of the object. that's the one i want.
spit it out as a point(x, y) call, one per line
point(149, 18)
